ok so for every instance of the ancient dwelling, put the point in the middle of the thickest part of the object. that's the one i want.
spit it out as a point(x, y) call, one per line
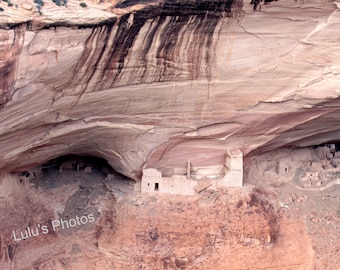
point(230, 175)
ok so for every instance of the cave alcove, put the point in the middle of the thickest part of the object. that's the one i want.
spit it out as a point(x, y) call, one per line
point(78, 163)
point(86, 170)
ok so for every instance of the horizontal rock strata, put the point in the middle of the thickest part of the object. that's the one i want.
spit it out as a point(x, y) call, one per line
point(163, 83)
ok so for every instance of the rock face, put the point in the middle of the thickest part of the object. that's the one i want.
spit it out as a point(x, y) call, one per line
point(98, 224)
point(157, 84)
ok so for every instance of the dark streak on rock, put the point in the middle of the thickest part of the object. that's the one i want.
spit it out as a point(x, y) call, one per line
point(32, 25)
point(184, 7)
point(165, 23)
point(197, 7)
point(8, 66)
point(105, 31)
point(169, 39)
point(149, 40)
point(126, 35)
point(11, 251)
point(128, 3)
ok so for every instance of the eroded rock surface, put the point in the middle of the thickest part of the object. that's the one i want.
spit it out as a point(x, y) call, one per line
point(120, 229)
point(163, 83)
point(157, 84)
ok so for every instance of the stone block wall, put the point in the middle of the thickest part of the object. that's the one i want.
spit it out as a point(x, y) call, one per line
point(153, 182)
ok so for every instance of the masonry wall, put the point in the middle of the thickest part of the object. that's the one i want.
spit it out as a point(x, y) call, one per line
point(232, 179)
point(178, 184)
point(234, 170)
point(152, 181)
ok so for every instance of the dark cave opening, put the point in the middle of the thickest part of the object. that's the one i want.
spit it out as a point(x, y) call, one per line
point(84, 170)
point(333, 146)
point(78, 163)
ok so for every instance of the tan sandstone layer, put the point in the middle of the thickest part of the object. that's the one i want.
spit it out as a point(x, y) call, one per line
point(152, 89)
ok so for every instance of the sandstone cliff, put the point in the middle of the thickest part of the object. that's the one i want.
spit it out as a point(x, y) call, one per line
point(157, 84)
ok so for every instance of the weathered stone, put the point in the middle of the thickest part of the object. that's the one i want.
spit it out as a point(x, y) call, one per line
point(26, 6)
point(110, 177)
point(153, 84)
point(239, 76)
point(88, 169)
point(202, 186)
point(181, 262)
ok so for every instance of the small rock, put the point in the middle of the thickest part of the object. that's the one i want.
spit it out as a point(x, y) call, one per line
point(293, 197)
point(334, 163)
point(154, 234)
point(315, 166)
point(26, 6)
point(318, 184)
point(88, 169)
point(329, 156)
point(309, 184)
point(110, 177)
point(181, 262)
point(283, 205)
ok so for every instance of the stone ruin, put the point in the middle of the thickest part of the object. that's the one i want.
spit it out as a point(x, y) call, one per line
point(197, 179)
point(85, 164)
point(320, 172)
